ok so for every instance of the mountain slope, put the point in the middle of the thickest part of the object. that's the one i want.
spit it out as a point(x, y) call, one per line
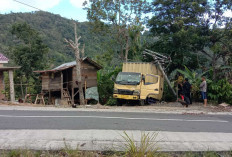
point(53, 29)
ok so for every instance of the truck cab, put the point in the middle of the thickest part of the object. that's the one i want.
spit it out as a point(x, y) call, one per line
point(136, 83)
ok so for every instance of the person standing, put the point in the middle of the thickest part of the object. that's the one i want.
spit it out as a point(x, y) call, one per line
point(203, 89)
point(180, 90)
point(187, 90)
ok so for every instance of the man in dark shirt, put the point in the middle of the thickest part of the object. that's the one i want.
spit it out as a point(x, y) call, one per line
point(187, 91)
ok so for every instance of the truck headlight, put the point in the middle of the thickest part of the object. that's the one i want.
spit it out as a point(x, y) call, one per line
point(115, 91)
point(136, 92)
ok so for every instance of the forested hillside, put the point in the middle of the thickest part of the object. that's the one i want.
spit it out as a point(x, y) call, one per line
point(52, 29)
point(196, 45)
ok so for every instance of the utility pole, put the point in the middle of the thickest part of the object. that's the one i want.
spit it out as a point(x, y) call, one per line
point(159, 60)
point(75, 46)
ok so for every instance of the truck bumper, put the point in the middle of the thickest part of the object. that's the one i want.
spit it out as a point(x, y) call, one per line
point(127, 97)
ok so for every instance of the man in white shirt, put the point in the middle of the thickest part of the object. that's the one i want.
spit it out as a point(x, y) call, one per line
point(203, 89)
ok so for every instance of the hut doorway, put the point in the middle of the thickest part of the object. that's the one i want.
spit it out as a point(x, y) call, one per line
point(67, 78)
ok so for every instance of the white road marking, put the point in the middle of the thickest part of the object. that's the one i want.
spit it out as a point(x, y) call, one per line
point(125, 118)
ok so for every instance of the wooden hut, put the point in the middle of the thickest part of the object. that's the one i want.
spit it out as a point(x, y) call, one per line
point(61, 82)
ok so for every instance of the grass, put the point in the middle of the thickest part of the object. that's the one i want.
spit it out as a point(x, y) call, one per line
point(147, 146)
point(69, 153)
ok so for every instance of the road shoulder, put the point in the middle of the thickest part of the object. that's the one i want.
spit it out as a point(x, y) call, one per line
point(193, 110)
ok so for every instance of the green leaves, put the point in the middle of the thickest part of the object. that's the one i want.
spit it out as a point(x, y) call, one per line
point(29, 52)
point(193, 76)
point(194, 79)
point(124, 20)
point(187, 27)
point(220, 91)
point(106, 85)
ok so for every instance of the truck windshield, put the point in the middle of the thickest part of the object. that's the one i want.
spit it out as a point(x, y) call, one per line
point(128, 78)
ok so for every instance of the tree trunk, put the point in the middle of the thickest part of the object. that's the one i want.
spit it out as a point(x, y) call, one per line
point(83, 51)
point(78, 68)
point(75, 46)
point(214, 66)
point(21, 86)
point(79, 80)
point(127, 48)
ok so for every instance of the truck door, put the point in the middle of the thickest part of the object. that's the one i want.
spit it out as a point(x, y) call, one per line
point(150, 86)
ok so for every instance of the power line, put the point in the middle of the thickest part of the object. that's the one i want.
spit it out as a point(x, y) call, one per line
point(27, 5)
point(33, 6)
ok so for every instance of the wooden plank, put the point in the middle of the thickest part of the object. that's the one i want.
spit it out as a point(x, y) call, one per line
point(45, 82)
point(49, 97)
point(72, 89)
point(61, 85)
point(55, 82)
point(89, 82)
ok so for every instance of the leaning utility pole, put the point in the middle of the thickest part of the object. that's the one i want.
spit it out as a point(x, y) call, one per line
point(159, 61)
point(75, 47)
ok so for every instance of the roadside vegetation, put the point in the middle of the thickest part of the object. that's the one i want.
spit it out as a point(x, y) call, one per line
point(77, 153)
point(196, 35)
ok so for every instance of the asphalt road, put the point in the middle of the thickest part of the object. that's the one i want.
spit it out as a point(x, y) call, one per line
point(79, 120)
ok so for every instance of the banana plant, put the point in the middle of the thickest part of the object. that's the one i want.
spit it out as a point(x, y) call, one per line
point(194, 78)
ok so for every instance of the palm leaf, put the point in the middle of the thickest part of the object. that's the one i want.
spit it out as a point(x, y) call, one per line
point(186, 74)
point(226, 67)
point(189, 72)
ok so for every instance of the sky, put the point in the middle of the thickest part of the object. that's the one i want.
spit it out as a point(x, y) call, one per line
point(71, 9)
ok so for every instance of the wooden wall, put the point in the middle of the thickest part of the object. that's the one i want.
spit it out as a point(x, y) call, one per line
point(45, 81)
point(89, 74)
point(53, 81)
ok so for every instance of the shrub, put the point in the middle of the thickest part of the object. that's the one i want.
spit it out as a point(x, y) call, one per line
point(106, 85)
point(220, 91)
point(167, 94)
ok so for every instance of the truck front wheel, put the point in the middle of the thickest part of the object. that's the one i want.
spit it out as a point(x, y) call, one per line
point(119, 102)
point(142, 102)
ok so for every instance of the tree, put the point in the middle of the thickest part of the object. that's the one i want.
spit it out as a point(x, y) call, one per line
point(190, 28)
point(118, 15)
point(217, 33)
point(75, 46)
point(29, 52)
point(173, 27)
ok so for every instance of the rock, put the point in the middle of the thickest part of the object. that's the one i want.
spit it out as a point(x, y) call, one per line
point(224, 104)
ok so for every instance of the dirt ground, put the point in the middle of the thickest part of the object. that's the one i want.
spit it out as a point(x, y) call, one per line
point(158, 107)
point(170, 106)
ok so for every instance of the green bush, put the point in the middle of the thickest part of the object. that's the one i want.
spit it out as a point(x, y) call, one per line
point(106, 85)
point(220, 91)
point(111, 101)
point(167, 94)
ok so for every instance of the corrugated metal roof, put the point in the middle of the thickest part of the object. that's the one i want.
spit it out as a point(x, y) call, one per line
point(3, 58)
point(70, 64)
point(65, 65)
